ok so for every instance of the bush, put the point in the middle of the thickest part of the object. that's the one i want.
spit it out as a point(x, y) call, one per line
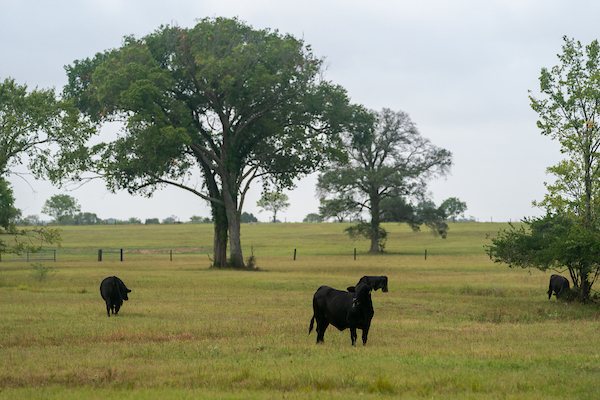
point(41, 272)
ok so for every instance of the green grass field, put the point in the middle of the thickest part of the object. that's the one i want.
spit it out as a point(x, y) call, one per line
point(453, 326)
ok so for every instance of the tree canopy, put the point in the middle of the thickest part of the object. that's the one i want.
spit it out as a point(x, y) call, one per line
point(388, 161)
point(38, 129)
point(274, 202)
point(234, 103)
point(61, 207)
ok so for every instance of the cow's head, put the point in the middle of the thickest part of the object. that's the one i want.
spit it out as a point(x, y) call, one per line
point(361, 296)
point(125, 295)
point(374, 282)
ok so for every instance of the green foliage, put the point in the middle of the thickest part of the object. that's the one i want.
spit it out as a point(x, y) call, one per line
point(31, 122)
point(552, 242)
point(569, 113)
point(61, 207)
point(341, 208)
point(365, 230)
point(21, 239)
point(41, 272)
point(273, 201)
point(248, 217)
point(312, 218)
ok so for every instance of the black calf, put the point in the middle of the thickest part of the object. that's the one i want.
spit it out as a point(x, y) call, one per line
point(113, 291)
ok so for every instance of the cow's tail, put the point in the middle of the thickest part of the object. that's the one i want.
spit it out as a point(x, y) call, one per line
point(312, 322)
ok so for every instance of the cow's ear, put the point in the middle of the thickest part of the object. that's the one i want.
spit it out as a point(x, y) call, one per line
point(351, 289)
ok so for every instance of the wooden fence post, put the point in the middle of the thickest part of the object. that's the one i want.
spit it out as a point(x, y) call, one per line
point(294, 254)
point(99, 255)
point(425, 254)
point(121, 254)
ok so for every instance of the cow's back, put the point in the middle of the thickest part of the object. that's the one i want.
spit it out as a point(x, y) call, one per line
point(334, 305)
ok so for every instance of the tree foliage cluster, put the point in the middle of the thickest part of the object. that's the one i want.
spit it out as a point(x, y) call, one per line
point(41, 131)
point(568, 237)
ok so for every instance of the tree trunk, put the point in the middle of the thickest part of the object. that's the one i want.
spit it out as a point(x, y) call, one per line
point(375, 223)
point(236, 258)
point(220, 239)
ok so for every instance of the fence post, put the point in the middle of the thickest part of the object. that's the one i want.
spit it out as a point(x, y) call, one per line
point(54, 255)
point(294, 254)
point(355, 254)
point(99, 255)
point(426, 254)
point(171, 255)
point(121, 254)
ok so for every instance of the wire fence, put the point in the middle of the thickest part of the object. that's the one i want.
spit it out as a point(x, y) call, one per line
point(42, 255)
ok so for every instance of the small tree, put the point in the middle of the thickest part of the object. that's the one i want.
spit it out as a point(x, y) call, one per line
point(568, 237)
point(273, 201)
point(453, 208)
point(247, 218)
point(312, 218)
point(341, 208)
point(554, 242)
point(61, 207)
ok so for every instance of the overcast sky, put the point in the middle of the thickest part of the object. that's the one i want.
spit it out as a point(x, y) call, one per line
point(460, 69)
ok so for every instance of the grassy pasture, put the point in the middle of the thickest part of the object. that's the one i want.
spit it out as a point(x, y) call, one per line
point(453, 326)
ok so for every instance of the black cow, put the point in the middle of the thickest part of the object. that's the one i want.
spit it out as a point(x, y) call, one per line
point(558, 284)
point(342, 310)
point(374, 282)
point(113, 291)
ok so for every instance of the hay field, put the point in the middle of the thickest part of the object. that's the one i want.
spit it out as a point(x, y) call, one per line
point(453, 326)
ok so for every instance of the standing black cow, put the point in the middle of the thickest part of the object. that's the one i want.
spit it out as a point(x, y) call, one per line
point(558, 284)
point(113, 291)
point(342, 310)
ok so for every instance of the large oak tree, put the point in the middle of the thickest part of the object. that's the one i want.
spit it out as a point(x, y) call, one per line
point(235, 103)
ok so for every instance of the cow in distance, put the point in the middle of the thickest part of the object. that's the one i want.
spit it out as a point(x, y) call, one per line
point(342, 310)
point(113, 291)
point(558, 284)
point(374, 282)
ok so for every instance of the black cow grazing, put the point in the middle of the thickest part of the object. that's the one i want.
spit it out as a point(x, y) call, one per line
point(558, 284)
point(113, 291)
point(342, 310)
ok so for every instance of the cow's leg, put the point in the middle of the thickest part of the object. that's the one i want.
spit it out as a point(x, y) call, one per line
point(365, 333)
point(550, 291)
point(322, 325)
point(108, 307)
point(117, 308)
point(353, 335)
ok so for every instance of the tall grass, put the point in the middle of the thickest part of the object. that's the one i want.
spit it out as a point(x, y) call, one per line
point(452, 326)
